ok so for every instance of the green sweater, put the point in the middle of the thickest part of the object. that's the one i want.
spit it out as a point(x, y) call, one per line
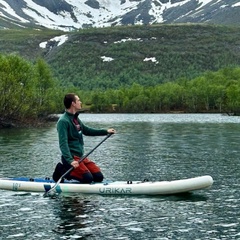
point(70, 139)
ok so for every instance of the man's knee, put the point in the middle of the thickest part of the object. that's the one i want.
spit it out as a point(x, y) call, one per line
point(87, 178)
point(82, 178)
point(97, 177)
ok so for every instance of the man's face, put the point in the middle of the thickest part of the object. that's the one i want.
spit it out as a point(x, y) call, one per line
point(77, 104)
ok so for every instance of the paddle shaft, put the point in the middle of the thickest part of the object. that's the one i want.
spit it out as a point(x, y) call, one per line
point(85, 156)
point(79, 161)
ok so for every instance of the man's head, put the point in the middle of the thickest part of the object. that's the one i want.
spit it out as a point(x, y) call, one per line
point(72, 101)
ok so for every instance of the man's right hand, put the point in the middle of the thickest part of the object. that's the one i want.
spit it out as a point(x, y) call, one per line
point(75, 164)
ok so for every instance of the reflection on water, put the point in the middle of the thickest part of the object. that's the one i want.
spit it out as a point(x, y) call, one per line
point(72, 213)
point(191, 197)
point(156, 147)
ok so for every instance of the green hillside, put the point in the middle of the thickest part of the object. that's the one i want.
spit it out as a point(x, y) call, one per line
point(172, 52)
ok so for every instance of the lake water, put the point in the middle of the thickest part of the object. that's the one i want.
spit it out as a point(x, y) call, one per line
point(146, 146)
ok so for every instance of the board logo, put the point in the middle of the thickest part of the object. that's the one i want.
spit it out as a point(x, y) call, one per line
point(16, 186)
point(115, 190)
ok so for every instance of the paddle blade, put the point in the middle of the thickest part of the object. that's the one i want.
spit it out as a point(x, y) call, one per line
point(54, 191)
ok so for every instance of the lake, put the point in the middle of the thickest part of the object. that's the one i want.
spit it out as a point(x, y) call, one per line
point(146, 146)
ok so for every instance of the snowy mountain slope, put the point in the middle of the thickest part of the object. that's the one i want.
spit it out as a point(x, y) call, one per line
point(73, 14)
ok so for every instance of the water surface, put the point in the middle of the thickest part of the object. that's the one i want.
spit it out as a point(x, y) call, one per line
point(152, 146)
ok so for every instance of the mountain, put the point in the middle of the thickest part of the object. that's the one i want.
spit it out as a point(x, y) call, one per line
point(75, 14)
point(101, 58)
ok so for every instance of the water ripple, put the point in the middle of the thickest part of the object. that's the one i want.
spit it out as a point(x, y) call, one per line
point(156, 147)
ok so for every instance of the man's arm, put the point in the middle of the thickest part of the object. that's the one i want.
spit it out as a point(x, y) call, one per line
point(62, 128)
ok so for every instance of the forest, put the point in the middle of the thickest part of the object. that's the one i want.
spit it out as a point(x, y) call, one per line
point(148, 55)
point(29, 91)
point(212, 92)
point(115, 57)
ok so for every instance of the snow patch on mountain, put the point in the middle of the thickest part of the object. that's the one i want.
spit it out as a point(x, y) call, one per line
point(107, 59)
point(152, 59)
point(59, 40)
point(9, 12)
point(129, 40)
point(158, 10)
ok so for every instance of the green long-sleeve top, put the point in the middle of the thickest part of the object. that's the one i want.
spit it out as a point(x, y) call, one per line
point(70, 139)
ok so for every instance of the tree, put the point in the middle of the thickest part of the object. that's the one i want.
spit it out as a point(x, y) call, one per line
point(45, 88)
point(233, 97)
point(16, 86)
point(27, 90)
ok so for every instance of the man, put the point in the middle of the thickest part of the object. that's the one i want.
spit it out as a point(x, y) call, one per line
point(70, 130)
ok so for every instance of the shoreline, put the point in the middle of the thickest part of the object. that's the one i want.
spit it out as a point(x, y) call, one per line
point(27, 123)
point(41, 122)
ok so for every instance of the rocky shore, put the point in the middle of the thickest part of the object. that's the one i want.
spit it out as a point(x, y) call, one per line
point(14, 123)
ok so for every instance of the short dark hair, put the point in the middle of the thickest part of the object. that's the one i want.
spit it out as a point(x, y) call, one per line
point(68, 99)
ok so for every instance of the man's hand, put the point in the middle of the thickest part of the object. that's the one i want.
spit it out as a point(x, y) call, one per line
point(111, 130)
point(75, 164)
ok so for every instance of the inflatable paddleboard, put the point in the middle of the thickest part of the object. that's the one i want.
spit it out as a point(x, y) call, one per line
point(108, 187)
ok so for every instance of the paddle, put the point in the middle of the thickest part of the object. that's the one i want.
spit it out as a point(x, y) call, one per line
point(51, 192)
